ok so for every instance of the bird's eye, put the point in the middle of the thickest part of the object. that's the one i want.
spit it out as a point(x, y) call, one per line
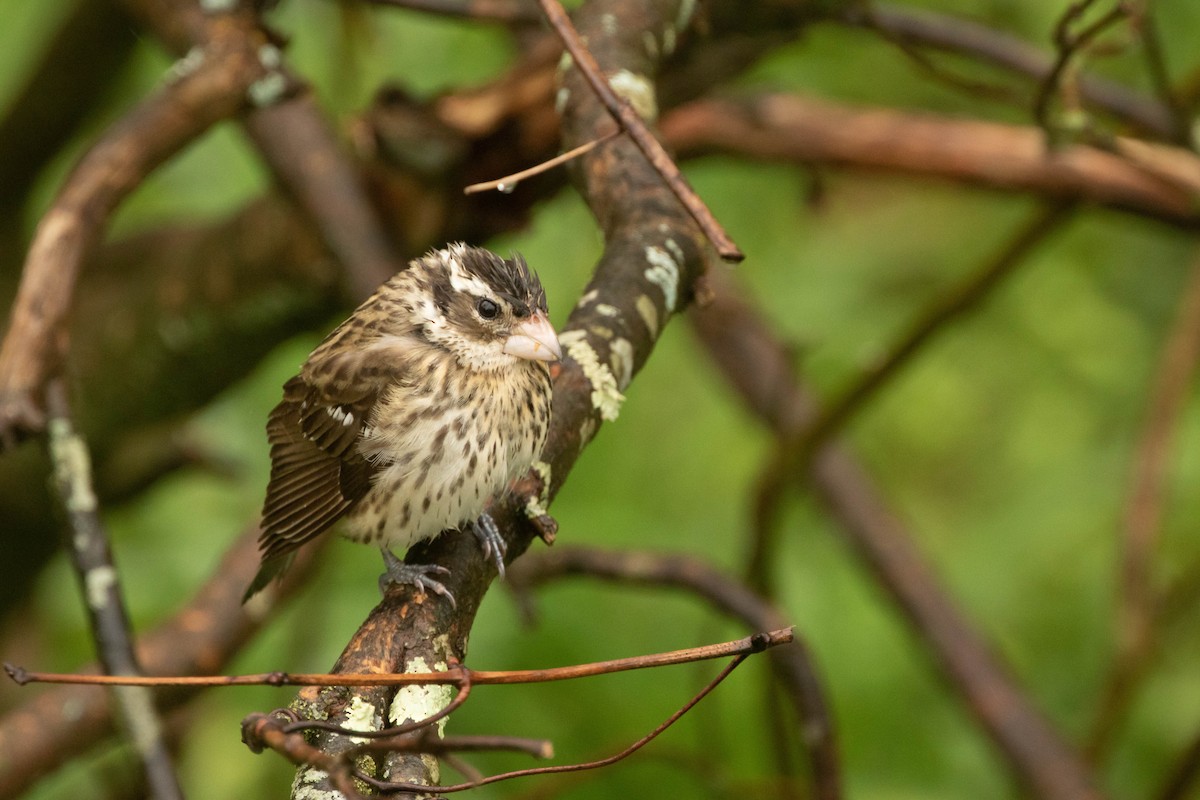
point(487, 308)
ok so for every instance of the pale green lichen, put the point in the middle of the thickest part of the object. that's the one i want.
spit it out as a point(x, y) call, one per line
point(98, 582)
point(669, 40)
point(72, 467)
point(586, 431)
point(686, 9)
point(304, 786)
point(361, 716)
point(267, 90)
point(620, 355)
point(664, 273)
point(638, 90)
point(606, 397)
point(185, 66)
point(675, 249)
point(536, 506)
point(650, 43)
point(416, 702)
point(648, 312)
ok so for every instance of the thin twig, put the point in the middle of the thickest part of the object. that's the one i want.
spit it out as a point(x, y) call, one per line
point(509, 182)
point(1140, 603)
point(54, 725)
point(560, 768)
point(1156, 65)
point(509, 11)
point(793, 667)
point(454, 675)
point(987, 45)
point(1069, 45)
point(86, 541)
point(632, 123)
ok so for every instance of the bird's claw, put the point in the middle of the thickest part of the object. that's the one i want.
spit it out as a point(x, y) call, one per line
point(420, 576)
point(490, 541)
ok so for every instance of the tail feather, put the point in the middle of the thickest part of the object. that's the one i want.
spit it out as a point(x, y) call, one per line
point(272, 569)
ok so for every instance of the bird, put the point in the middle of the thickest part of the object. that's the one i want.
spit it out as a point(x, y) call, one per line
point(413, 414)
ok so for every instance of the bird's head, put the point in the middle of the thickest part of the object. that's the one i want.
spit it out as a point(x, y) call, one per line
point(487, 310)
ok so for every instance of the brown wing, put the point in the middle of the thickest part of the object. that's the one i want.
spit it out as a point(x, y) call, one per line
point(315, 473)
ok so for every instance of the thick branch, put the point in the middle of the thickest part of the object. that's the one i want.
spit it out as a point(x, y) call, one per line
point(1155, 181)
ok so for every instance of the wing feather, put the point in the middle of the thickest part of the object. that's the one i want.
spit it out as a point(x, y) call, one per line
point(317, 473)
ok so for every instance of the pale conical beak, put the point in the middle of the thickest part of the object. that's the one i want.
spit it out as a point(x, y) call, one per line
point(534, 339)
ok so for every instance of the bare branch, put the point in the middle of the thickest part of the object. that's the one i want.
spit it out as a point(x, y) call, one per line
point(631, 121)
point(755, 362)
point(454, 675)
point(793, 665)
point(86, 540)
point(1156, 181)
point(1140, 603)
point(207, 89)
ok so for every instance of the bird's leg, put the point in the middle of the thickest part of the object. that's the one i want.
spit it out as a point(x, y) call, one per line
point(490, 541)
point(418, 575)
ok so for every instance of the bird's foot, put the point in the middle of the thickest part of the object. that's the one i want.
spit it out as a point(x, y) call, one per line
point(419, 575)
point(490, 541)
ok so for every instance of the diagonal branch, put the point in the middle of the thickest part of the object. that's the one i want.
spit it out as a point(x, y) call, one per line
point(87, 543)
point(622, 110)
point(209, 87)
point(757, 365)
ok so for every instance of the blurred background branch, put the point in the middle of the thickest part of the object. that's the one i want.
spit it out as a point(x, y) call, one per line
point(1017, 491)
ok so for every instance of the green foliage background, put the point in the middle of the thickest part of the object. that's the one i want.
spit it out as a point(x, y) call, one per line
point(1006, 446)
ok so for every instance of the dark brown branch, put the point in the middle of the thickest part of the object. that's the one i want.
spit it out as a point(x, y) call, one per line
point(297, 143)
point(986, 154)
point(1156, 65)
point(1183, 775)
point(87, 544)
point(793, 665)
point(757, 365)
point(1140, 603)
point(1068, 46)
point(509, 11)
point(36, 342)
point(623, 113)
point(59, 93)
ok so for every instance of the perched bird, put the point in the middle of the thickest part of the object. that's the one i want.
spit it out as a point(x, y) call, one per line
point(413, 413)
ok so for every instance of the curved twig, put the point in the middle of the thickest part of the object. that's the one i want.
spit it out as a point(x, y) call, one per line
point(792, 665)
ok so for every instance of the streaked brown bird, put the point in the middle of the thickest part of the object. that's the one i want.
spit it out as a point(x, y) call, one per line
point(413, 414)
